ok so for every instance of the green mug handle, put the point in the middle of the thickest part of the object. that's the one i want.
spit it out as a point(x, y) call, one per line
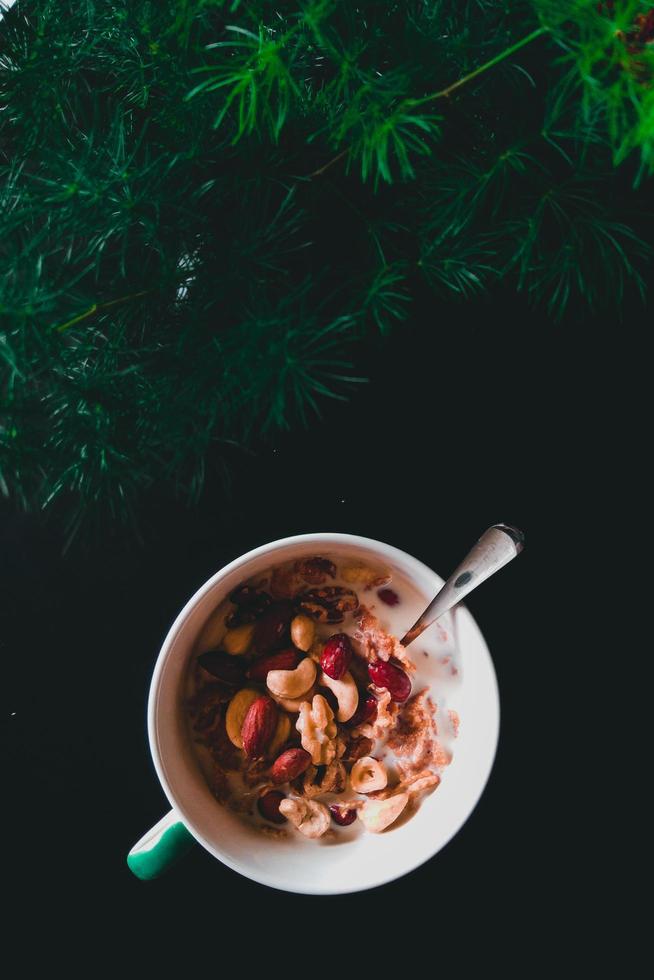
point(160, 847)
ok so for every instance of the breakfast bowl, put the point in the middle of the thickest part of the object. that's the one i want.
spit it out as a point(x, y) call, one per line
point(453, 663)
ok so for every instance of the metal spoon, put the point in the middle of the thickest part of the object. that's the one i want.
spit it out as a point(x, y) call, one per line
point(497, 546)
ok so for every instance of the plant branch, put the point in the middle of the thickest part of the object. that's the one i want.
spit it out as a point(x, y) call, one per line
point(445, 92)
point(98, 308)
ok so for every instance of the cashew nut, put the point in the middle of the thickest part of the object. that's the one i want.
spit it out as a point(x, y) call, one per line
point(346, 693)
point(311, 819)
point(237, 641)
point(280, 737)
point(377, 815)
point(213, 630)
point(368, 775)
point(292, 683)
point(293, 705)
point(303, 632)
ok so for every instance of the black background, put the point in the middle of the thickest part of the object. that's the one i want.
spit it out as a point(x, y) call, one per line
point(473, 415)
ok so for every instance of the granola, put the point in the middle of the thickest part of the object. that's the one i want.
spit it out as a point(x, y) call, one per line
point(291, 715)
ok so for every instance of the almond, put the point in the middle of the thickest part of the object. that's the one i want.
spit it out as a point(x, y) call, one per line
point(289, 764)
point(284, 660)
point(259, 726)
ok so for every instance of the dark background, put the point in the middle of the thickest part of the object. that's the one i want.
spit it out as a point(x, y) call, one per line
point(473, 415)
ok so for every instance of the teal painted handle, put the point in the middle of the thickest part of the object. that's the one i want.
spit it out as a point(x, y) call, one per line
point(163, 844)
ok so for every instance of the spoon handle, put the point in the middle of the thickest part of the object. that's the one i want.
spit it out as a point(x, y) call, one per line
point(497, 546)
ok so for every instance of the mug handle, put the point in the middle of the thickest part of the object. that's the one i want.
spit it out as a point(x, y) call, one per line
point(160, 847)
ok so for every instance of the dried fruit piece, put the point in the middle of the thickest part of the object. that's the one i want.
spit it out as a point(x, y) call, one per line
point(389, 596)
point(365, 713)
point(310, 818)
point(281, 736)
point(341, 815)
point(259, 726)
point(283, 660)
point(329, 604)
point(268, 806)
point(346, 693)
point(336, 655)
point(272, 629)
point(377, 815)
point(303, 632)
point(222, 666)
point(385, 674)
point(292, 683)
point(358, 573)
point(316, 570)
point(237, 641)
point(236, 711)
point(368, 775)
point(289, 765)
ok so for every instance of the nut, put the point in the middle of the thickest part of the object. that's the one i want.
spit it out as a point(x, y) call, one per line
point(292, 683)
point(377, 815)
point(285, 582)
point(250, 603)
point(303, 632)
point(331, 779)
point(289, 765)
point(213, 630)
point(329, 604)
point(236, 711)
point(283, 660)
point(346, 693)
point(222, 666)
point(316, 570)
point(293, 705)
point(385, 674)
point(268, 806)
point(336, 655)
point(272, 629)
point(368, 775)
point(259, 726)
point(238, 640)
point(310, 818)
point(281, 735)
point(357, 748)
point(358, 573)
point(318, 730)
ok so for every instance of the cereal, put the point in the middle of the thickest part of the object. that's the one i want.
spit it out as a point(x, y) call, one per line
point(305, 726)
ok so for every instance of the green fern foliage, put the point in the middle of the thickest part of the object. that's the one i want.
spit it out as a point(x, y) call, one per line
point(206, 206)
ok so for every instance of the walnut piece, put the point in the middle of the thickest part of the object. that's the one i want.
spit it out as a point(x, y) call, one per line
point(310, 818)
point(318, 730)
point(315, 571)
point(332, 780)
point(329, 604)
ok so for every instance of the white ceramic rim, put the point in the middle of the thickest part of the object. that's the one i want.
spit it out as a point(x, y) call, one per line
point(325, 539)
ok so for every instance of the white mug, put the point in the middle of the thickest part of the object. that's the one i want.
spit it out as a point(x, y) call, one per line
point(295, 864)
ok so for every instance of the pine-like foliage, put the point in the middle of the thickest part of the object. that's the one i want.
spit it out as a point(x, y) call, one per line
point(207, 204)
